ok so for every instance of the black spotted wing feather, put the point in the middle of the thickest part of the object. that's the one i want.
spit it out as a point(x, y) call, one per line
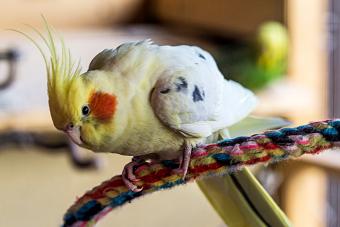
point(192, 96)
point(187, 95)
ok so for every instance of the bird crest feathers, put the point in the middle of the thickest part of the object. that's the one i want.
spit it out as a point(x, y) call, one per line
point(60, 67)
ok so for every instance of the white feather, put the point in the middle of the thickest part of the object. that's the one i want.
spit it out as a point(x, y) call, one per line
point(224, 102)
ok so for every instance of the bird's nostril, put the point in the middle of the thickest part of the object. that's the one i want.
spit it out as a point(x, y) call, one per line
point(69, 126)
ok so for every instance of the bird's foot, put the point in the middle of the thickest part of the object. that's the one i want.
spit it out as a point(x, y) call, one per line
point(184, 160)
point(128, 176)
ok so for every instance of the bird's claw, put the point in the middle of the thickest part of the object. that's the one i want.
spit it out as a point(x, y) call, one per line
point(182, 170)
point(129, 178)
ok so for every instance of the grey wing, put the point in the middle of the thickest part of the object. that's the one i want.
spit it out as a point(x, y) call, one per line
point(194, 98)
point(184, 105)
point(187, 96)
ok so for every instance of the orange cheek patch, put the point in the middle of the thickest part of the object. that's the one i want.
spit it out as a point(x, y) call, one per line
point(103, 105)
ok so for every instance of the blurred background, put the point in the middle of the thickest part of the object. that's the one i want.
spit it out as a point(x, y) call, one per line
point(284, 50)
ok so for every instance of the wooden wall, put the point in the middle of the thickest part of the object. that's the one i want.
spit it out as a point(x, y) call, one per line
point(236, 17)
point(65, 13)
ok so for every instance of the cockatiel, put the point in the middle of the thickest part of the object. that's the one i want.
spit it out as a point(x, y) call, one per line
point(147, 101)
point(258, 62)
point(144, 100)
point(157, 102)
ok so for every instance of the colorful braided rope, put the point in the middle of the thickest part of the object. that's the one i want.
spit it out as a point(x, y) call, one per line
point(214, 159)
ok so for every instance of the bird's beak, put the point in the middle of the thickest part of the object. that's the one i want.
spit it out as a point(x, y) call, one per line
point(74, 134)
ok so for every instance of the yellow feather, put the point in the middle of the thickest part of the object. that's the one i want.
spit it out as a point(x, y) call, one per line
point(61, 70)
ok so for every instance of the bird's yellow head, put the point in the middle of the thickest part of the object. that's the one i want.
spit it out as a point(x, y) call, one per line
point(81, 105)
point(86, 113)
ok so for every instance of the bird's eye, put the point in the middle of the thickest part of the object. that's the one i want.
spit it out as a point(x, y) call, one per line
point(85, 110)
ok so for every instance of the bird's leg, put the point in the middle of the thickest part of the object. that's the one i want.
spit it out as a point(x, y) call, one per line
point(128, 175)
point(184, 159)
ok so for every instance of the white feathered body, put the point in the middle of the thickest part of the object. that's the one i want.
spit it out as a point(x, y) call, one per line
point(174, 93)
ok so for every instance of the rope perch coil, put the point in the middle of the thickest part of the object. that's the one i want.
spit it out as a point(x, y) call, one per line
point(219, 158)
